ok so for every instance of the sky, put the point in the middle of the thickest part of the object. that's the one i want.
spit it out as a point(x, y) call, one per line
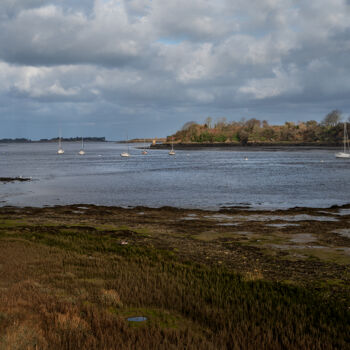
point(144, 68)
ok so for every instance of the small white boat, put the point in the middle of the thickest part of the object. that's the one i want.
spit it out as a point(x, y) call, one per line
point(144, 148)
point(346, 147)
point(172, 152)
point(60, 149)
point(125, 154)
point(82, 152)
point(342, 155)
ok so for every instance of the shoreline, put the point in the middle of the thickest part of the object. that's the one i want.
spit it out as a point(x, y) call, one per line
point(219, 209)
point(232, 208)
point(296, 237)
point(251, 146)
point(243, 225)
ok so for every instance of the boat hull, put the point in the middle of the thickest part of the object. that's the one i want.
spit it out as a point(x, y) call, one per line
point(342, 155)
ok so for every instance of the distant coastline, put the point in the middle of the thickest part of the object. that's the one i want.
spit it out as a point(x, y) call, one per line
point(70, 139)
point(249, 145)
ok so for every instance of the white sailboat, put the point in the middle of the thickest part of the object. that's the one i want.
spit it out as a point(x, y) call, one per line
point(125, 154)
point(172, 152)
point(346, 147)
point(144, 147)
point(60, 149)
point(82, 152)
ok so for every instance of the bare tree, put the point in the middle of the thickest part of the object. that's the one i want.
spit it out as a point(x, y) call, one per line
point(208, 121)
point(265, 124)
point(187, 125)
point(332, 118)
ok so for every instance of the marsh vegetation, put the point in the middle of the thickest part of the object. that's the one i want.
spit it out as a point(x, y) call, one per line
point(69, 282)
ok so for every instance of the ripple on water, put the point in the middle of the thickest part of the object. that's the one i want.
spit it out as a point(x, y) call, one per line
point(260, 217)
point(219, 217)
point(282, 225)
point(227, 224)
point(345, 232)
point(303, 238)
point(298, 217)
point(288, 247)
point(345, 211)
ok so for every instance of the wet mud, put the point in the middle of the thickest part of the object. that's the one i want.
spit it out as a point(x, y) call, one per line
point(303, 245)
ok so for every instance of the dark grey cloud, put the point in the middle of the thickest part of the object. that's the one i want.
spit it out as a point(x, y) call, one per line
point(110, 63)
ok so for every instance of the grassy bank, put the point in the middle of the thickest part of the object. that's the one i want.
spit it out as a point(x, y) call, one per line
point(69, 281)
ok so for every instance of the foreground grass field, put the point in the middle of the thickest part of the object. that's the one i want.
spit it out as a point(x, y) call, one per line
point(71, 276)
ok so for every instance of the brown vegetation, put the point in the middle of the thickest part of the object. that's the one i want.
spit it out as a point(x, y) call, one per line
point(68, 283)
point(251, 131)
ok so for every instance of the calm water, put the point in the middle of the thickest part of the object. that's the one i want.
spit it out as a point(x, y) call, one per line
point(194, 179)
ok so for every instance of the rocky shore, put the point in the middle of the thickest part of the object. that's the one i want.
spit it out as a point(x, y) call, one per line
point(14, 179)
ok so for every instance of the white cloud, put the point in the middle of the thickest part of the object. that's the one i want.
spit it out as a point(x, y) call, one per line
point(283, 82)
point(133, 54)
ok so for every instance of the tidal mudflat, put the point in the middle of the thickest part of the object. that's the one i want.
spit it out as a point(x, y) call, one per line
point(72, 276)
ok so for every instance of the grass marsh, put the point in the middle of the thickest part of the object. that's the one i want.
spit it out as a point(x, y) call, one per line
point(69, 283)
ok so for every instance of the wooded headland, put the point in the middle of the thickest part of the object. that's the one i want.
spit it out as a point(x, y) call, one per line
point(328, 133)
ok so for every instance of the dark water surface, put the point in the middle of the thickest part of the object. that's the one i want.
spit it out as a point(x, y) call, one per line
point(193, 179)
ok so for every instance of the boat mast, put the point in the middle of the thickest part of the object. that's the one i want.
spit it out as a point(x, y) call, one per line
point(59, 140)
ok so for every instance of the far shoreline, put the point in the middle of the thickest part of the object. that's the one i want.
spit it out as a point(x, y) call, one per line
point(256, 146)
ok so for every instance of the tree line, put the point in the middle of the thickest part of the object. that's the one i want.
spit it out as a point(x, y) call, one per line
point(55, 139)
point(329, 130)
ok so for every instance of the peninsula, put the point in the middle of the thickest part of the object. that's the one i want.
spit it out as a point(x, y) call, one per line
point(253, 132)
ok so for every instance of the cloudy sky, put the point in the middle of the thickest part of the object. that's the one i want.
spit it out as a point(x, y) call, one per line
point(145, 67)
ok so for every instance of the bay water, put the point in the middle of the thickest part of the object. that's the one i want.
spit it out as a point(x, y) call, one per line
point(207, 178)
